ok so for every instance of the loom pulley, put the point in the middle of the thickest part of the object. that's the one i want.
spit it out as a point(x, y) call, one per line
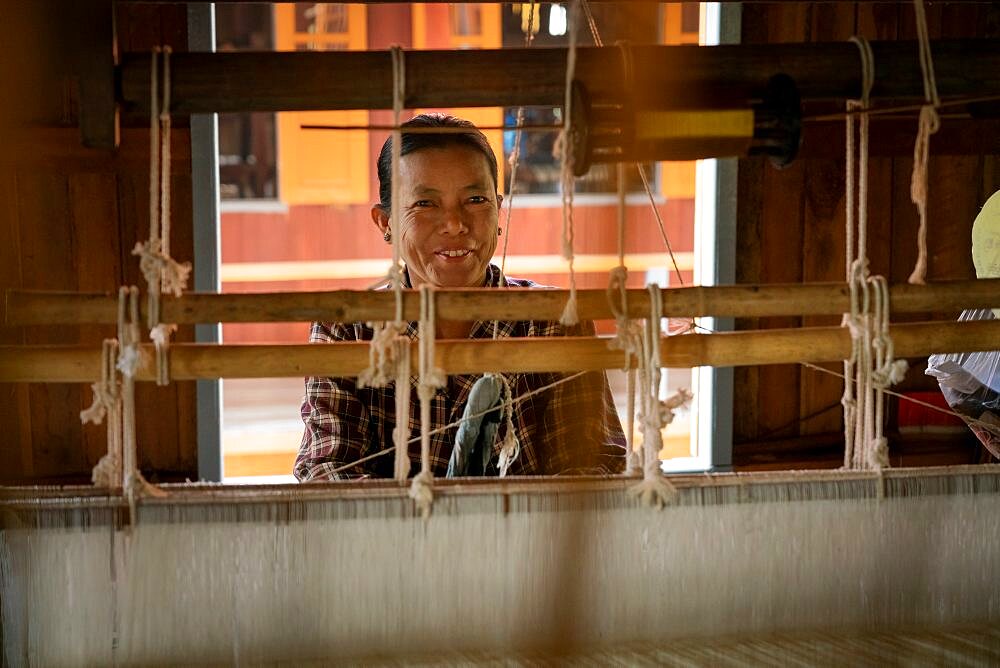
point(607, 129)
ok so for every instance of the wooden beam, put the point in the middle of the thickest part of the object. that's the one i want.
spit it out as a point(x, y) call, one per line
point(664, 76)
point(25, 307)
point(77, 364)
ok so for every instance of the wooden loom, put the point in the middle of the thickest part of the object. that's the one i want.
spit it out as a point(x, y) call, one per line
point(503, 568)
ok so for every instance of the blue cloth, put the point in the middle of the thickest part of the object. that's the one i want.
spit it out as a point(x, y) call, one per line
point(476, 435)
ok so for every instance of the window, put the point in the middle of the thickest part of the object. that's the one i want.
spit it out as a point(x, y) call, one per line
point(538, 170)
point(247, 141)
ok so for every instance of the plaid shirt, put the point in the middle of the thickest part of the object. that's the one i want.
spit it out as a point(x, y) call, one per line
point(570, 428)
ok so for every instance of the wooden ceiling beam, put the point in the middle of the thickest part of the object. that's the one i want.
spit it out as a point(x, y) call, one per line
point(664, 76)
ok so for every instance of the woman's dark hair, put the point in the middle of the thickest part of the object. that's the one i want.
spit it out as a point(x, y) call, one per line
point(411, 142)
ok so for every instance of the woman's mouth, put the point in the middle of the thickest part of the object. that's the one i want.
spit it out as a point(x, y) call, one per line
point(453, 253)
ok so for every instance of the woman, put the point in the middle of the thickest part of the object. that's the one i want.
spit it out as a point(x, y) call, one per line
point(448, 233)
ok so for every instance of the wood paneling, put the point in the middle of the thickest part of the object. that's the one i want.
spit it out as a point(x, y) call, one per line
point(69, 217)
point(791, 225)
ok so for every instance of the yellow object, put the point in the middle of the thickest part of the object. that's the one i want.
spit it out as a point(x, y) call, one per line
point(322, 167)
point(986, 241)
point(694, 124)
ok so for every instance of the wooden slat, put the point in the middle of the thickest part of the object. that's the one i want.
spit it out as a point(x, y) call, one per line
point(67, 364)
point(41, 308)
point(665, 76)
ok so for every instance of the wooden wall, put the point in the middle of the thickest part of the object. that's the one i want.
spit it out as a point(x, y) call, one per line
point(791, 229)
point(69, 217)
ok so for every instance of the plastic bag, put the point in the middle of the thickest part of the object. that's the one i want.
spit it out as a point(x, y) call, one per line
point(970, 383)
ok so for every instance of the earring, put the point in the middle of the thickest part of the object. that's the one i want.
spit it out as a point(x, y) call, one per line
point(499, 231)
point(387, 236)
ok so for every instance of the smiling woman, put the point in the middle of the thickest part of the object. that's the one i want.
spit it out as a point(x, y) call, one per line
point(448, 231)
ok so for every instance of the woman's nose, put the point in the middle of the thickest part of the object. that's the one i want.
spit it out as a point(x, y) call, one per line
point(454, 221)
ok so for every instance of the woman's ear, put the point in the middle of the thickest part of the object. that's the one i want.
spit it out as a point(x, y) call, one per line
point(499, 201)
point(381, 219)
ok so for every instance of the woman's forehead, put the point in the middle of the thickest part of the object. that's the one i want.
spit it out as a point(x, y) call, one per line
point(445, 165)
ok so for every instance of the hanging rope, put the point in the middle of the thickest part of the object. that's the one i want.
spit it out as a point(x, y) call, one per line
point(383, 363)
point(431, 378)
point(107, 404)
point(655, 490)
point(162, 272)
point(563, 150)
point(134, 484)
point(628, 332)
point(930, 122)
point(401, 432)
point(871, 367)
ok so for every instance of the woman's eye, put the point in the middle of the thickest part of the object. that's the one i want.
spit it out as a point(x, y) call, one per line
point(423, 203)
point(478, 199)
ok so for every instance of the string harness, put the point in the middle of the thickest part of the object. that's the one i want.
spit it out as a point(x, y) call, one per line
point(163, 274)
point(871, 368)
point(107, 405)
point(389, 356)
point(563, 151)
point(929, 123)
point(655, 489)
point(431, 378)
point(114, 399)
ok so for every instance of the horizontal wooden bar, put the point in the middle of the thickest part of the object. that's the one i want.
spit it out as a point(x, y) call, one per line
point(664, 77)
point(74, 364)
point(71, 308)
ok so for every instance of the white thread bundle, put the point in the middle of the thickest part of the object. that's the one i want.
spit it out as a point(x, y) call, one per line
point(930, 122)
point(564, 151)
point(431, 378)
point(655, 490)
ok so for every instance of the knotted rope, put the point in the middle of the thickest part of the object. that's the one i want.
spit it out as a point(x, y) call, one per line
point(628, 337)
point(930, 122)
point(107, 404)
point(655, 490)
point(871, 367)
point(383, 362)
point(133, 483)
point(563, 150)
point(162, 272)
point(431, 378)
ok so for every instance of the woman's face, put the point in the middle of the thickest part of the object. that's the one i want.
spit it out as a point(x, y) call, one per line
point(449, 211)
